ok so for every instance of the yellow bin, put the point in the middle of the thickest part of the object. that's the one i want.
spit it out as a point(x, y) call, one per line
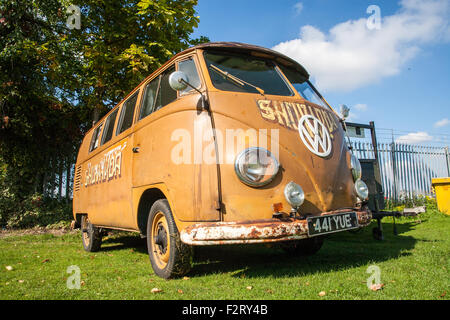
point(442, 188)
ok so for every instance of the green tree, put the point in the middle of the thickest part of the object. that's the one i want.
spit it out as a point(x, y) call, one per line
point(55, 80)
point(125, 40)
point(38, 120)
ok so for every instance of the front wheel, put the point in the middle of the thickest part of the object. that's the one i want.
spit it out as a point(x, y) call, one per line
point(304, 247)
point(170, 258)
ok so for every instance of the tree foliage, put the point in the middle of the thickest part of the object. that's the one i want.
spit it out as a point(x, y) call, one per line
point(55, 80)
point(124, 41)
point(37, 85)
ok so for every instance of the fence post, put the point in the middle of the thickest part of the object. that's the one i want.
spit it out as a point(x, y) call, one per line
point(447, 157)
point(394, 170)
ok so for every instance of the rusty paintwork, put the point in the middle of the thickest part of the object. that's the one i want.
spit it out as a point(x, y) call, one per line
point(257, 231)
point(209, 192)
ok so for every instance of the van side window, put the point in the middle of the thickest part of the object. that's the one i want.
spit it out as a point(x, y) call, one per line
point(188, 67)
point(109, 127)
point(166, 94)
point(149, 98)
point(95, 138)
point(126, 116)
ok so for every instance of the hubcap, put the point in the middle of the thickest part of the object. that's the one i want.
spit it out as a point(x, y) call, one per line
point(160, 242)
point(161, 239)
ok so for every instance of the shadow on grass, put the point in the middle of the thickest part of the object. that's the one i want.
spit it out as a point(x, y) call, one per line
point(125, 241)
point(340, 251)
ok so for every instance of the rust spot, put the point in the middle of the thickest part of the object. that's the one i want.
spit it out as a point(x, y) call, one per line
point(277, 207)
point(254, 234)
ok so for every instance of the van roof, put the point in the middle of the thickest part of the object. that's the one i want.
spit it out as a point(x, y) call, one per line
point(239, 47)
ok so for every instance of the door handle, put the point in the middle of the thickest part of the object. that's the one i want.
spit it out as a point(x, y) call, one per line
point(136, 149)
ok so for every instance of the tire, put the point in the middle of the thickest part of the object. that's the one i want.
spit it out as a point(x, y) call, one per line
point(170, 258)
point(90, 235)
point(304, 247)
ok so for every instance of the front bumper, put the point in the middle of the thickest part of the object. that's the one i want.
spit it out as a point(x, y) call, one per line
point(257, 231)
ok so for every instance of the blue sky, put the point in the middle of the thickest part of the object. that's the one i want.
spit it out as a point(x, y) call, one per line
point(397, 75)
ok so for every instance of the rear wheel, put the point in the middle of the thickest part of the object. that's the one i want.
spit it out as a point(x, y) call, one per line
point(90, 235)
point(304, 247)
point(170, 258)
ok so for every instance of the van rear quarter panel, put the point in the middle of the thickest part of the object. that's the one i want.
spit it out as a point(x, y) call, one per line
point(105, 192)
point(79, 195)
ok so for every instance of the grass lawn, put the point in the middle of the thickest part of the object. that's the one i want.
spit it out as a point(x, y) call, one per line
point(414, 265)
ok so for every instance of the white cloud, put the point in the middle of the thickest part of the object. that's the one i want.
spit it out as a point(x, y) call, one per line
point(352, 117)
point(415, 137)
point(350, 55)
point(361, 107)
point(442, 123)
point(356, 110)
point(298, 7)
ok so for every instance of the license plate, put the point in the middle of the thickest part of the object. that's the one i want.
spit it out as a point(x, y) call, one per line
point(332, 223)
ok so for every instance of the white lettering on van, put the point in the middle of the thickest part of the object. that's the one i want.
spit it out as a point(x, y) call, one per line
point(108, 168)
point(288, 114)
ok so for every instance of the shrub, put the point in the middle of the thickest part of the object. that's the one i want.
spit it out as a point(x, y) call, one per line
point(34, 210)
point(409, 202)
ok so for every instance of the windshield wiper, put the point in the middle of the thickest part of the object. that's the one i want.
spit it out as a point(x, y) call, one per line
point(234, 79)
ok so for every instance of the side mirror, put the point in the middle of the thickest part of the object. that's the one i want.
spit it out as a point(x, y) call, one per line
point(345, 111)
point(178, 81)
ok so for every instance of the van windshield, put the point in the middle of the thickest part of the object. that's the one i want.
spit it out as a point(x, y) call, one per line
point(241, 72)
point(303, 86)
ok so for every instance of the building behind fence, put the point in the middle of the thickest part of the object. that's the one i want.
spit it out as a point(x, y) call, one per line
point(406, 170)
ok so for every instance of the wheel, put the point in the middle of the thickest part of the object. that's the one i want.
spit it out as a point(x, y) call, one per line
point(170, 258)
point(90, 235)
point(304, 247)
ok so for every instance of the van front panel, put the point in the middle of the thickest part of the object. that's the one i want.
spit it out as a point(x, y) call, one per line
point(326, 181)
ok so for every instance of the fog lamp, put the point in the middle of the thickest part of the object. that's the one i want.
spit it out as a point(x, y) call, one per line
point(362, 190)
point(294, 194)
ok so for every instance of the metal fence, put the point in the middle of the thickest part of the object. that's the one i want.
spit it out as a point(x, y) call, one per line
point(406, 170)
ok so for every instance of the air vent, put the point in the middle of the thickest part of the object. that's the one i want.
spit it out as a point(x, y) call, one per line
point(77, 182)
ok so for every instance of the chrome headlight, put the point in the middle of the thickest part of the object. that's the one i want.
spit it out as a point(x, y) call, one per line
point(362, 190)
point(294, 194)
point(356, 168)
point(256, 167)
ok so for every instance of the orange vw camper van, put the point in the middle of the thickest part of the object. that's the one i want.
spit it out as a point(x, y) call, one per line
point(226, 143)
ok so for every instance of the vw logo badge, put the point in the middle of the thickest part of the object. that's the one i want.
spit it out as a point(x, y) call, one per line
point(315, 135)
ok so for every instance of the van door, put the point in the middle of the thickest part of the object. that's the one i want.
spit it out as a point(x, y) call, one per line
point(192, 187)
